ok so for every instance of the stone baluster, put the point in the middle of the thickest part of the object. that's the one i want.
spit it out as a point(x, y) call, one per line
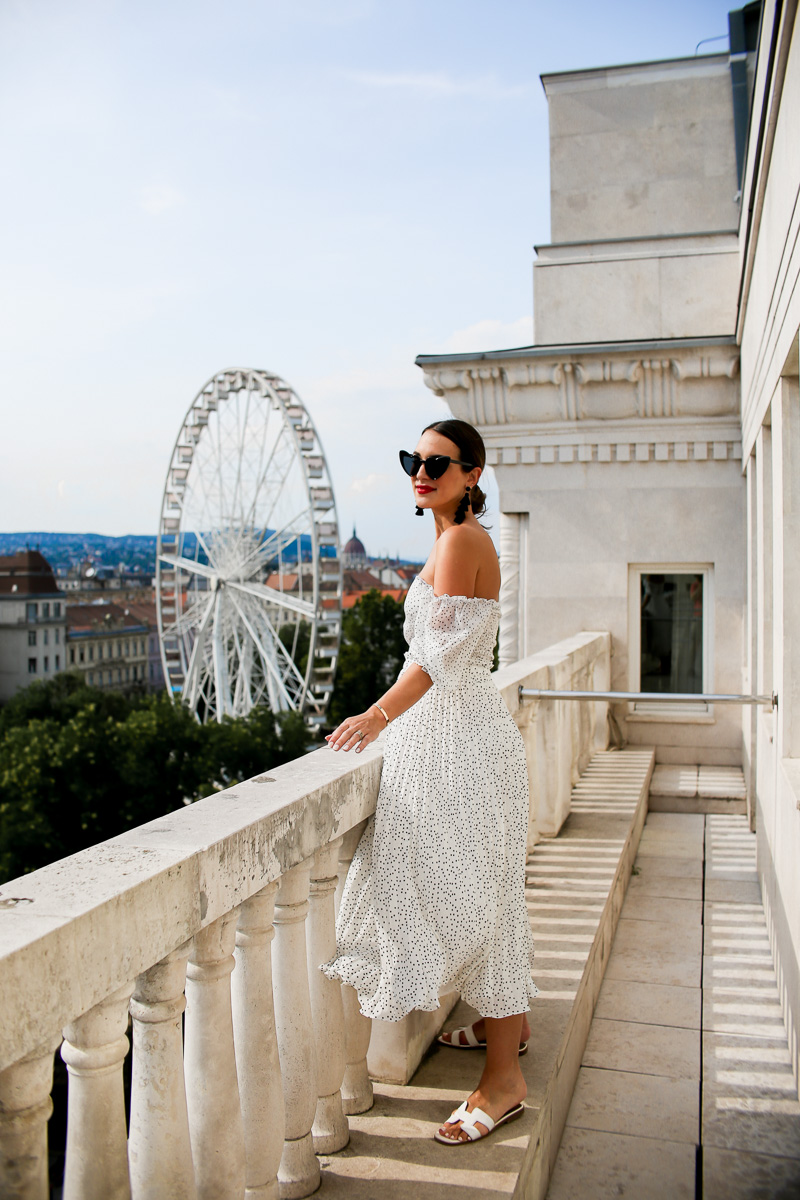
point(25, 1108)
point(212, 1088)
point(356, 1085)
point(159, 1149)
point(257, 1062)
point(94, 1050)
point(330, 1131)
point(298, 1174)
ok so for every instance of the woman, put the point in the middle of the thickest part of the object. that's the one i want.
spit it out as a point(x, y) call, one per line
point(435, 893)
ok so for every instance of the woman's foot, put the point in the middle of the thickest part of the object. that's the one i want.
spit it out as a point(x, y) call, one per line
point(479, 1030)
point(495, 1099)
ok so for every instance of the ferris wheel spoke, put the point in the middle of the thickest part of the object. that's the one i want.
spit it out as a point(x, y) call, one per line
point(219, 659)
point(271, 545)
point(189, 564)
point(279, 599)
point(198, 649)
point(261, 477)
point(281, 652)
point(266, 656)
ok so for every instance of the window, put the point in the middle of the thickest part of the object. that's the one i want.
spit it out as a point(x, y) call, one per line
point(46, 611)
point(45, 636)
point(91, 654)
point(127, 674)
point(141, 646)
point(119, 674)
point(30, 612)
point(46, 663)
point(57, 609)
point(31, 637)
point(58, 637)
point(81, 654)
point(670, 634)
point(31, 666)
point(90, 677)
point(72, 654)
point(127, 649)
point(58, 662)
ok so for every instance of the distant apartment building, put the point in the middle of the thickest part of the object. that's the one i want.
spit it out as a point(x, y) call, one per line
point(108, 644)
point(145, 610)
point(32, 622)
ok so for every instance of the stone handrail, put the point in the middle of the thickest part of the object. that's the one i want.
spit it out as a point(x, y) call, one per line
point(559, 737)
point(235, 1097)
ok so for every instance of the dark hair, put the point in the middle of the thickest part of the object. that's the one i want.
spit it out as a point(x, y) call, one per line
point(470, 448)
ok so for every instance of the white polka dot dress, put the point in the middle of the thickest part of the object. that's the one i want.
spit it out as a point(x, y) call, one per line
point(435, 895)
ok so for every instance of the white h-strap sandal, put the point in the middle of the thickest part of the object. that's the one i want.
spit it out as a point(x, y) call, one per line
point(469, 1123)
point(454, 1040)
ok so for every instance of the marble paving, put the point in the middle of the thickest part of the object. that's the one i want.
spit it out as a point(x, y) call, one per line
point(686, 1087)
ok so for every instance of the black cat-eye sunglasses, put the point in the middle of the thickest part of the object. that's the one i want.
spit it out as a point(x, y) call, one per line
point(435, 466)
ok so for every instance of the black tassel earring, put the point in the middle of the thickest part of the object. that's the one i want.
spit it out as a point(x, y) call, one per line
point(420, 512)
point(462, 509)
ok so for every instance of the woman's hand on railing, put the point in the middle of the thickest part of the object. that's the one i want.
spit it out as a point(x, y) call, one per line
point(356, 732)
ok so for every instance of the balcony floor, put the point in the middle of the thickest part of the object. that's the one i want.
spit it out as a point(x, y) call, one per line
point(686, 1086)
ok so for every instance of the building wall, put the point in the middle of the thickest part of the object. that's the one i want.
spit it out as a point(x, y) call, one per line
point(642, 150)
point(111, 659)
point(610, 459)
point(644, 205)
point(769, 329)
point(32, 641)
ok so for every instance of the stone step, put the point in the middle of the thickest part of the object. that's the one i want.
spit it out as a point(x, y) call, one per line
point(697, 789)
point(576, 887)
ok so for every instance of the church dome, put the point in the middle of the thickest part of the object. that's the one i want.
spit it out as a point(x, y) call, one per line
point(355, 546)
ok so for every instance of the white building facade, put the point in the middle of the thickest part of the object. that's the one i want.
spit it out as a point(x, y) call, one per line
point(647, 446)
point(33, 622)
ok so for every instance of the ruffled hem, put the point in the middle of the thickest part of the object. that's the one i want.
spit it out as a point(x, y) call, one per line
point(364, 977)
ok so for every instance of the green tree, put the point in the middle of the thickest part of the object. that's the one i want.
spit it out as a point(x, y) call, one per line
point(78, 766)
point(371, 654)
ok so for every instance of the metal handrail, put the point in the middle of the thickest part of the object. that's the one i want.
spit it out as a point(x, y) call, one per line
point(649, 697)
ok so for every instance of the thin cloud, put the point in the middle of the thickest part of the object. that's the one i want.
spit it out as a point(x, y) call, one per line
point(159, 197)
point(369, 483)
point(489, 335)
point(439, 83)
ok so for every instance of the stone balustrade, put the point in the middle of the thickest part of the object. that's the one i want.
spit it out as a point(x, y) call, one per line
point(197, 937)
point(560, 736)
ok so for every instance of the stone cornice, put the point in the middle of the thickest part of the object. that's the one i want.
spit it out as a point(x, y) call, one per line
point(556, 388)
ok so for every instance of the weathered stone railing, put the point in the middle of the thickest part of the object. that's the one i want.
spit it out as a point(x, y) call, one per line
point(171, 925)
point(559, 737)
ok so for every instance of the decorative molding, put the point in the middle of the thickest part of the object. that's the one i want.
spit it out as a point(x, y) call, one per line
point(623, 451)
point(544, 390)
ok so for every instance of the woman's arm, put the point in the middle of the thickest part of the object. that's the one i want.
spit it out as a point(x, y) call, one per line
point(409, 688)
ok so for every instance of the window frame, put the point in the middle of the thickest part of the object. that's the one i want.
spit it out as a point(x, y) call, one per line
point(680, 711)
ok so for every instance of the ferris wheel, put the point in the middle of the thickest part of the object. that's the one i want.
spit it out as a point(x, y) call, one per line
point(248, 579)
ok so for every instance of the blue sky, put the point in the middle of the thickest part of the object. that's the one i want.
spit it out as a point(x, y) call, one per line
point(322, 187)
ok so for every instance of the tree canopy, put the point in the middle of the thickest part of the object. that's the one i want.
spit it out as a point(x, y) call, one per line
point(371, 654)
point(79, 765)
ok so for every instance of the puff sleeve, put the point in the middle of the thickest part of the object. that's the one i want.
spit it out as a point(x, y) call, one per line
point(444, 644)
